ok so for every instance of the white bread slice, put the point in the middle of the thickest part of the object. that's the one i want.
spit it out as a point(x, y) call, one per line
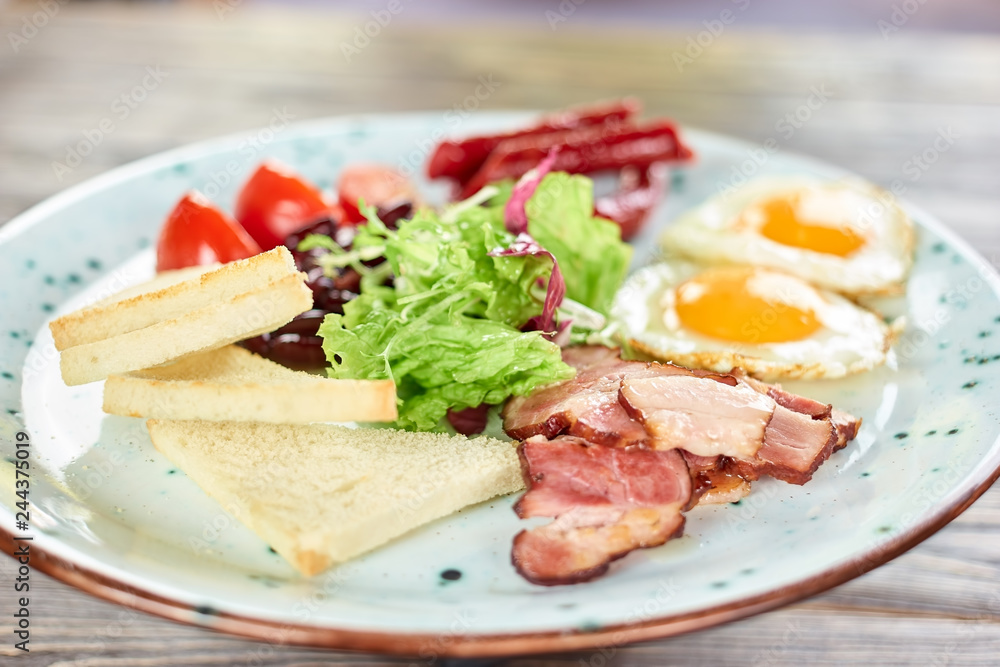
point(234, 384)
point(160, 281)
point(221, 323)
point(322, 494)
point(170, 295)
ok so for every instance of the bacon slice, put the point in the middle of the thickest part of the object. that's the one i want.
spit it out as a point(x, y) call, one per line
point(586, 406)
point(795, 445)
point(699, 415)
point(616, 455)
point(794, 402)
point(697, 463)
point(779, 434)
point(800, 404)
point(847, 428)
point(607, 502)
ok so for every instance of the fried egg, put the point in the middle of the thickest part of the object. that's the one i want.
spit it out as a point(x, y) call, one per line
point(847, 236)
point(770, 323)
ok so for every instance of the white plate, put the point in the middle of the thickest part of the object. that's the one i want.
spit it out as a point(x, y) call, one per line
point(109, 514)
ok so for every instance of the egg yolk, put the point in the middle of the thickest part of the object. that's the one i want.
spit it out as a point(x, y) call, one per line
point(782, 225)
point(722, 303)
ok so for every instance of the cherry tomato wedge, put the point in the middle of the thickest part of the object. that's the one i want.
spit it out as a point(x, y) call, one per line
point(276, 202)
point(379, 186)
point(196, 233)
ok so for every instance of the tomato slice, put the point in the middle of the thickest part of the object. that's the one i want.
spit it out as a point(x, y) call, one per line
point(196, 233)
point(276, 202)
point(378, 185)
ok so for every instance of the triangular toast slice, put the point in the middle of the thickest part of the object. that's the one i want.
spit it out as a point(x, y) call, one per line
point(321, 494)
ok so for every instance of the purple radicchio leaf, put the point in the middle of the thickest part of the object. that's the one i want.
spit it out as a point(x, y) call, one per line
point(515, 216)
point(525, 246)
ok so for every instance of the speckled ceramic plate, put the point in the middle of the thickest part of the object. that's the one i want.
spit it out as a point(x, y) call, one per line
point(109, 514)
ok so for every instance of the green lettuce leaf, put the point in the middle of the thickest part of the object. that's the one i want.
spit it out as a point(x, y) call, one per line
point(593, 258)
point(446, 329)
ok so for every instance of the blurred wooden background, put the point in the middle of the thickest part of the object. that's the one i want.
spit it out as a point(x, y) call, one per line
point(224, 68)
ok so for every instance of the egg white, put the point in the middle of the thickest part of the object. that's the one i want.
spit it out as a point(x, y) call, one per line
point(850, 340)
point(710, 233)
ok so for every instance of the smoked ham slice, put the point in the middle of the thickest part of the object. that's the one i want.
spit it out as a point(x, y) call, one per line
point(709, 418)
point(607, 501)
point(588, 406)
point(794, 402)
point(795, 445)
point(847, 426)
point(698, 415)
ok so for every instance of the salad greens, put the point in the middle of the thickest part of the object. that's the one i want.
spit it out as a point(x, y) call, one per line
point(442, 316)
point(591, 254)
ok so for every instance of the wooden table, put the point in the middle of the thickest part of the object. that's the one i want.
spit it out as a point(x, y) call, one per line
point(886, 100)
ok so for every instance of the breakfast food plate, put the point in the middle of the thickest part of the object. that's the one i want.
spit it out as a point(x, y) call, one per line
point(112, 516)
